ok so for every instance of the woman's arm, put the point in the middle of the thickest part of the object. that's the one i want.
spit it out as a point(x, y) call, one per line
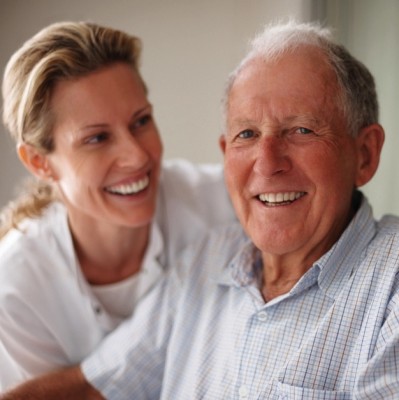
point(66, 384)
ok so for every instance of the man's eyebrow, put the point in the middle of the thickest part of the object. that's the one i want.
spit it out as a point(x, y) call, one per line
point(291, 118)
point(243, 121)
point(303, 117)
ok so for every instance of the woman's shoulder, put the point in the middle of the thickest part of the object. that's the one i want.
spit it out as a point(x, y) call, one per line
point(186, 173)
point(192, 200)
point(197, 188)
point(35, 243)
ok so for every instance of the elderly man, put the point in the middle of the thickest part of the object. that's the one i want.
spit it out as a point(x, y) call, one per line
point(299, 301)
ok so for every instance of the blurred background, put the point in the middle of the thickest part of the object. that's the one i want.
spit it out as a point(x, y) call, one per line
point(190, 46)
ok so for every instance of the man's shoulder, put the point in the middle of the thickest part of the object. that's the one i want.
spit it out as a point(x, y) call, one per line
point(387, 233)
point(384, 247)
point(388, 224)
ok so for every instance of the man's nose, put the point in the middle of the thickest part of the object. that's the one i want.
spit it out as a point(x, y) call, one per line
point(272, 156)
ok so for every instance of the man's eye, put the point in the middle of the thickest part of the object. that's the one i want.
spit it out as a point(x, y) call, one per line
point(304, 131)
point(246, 134)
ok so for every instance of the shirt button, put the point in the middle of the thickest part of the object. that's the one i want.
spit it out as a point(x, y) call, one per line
point(262, 316)
point(97, 309)
point(243, 392)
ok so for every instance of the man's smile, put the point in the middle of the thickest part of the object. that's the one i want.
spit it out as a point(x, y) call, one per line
point(278, 199)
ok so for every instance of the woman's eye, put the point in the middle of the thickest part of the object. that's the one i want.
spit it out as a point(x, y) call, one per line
point(246, 134)
point(144, 120)
point(98, 138)
point(304, 131)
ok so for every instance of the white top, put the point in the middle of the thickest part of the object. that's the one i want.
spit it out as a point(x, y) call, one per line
point(50, 316)
point(120, 298)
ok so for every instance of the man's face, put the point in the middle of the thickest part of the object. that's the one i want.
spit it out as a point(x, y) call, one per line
point(290, 163)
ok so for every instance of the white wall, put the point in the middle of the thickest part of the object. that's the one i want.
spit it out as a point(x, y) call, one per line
point(189, 48)
point(370, 30)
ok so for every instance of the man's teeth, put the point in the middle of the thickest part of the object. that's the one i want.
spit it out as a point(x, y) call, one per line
point(130, 188)
point(279, 198)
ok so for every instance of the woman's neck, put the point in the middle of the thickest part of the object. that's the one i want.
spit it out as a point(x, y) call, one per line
point(109, 254)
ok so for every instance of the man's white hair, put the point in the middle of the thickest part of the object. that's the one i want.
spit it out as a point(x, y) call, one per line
point(356, 96)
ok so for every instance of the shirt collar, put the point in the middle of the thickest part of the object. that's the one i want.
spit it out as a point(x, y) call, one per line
point(154, 249)
point(338, 264)
point(239, 268)
point(330, 271)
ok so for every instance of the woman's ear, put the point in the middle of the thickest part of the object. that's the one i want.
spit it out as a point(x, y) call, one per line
point(34, 161)
point(369, 145)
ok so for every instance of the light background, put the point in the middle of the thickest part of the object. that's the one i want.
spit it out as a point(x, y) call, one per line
point(190, 46)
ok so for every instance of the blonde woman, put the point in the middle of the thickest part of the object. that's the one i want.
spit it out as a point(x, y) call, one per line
point(105, 217)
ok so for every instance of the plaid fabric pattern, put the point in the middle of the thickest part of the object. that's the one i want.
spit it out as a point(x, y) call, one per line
point(205, 332)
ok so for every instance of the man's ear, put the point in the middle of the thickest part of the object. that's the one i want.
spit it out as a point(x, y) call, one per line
point(369, 145)
point(34, 161)
point(222, 142)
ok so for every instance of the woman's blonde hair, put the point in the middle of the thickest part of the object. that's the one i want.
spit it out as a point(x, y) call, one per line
point(61, 51)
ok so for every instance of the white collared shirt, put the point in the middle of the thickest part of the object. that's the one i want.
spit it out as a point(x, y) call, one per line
point(50, 317)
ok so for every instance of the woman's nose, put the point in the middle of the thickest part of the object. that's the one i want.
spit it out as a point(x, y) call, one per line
point(131, 152)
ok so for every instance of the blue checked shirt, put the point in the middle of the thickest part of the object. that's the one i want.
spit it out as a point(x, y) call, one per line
point(205, 333)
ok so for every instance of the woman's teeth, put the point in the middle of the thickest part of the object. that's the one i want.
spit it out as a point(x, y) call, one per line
point(131, 188)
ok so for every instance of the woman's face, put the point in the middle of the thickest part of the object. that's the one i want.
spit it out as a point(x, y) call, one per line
point(108, 152)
